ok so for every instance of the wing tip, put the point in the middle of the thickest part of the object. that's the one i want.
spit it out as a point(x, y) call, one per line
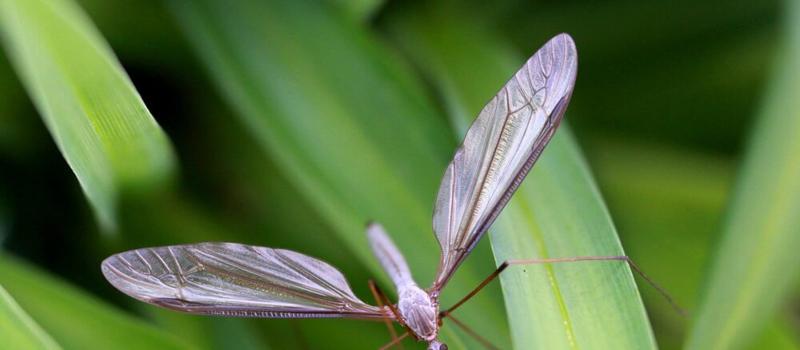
point(565, 40)
point(108, 269)
point(131, 277)
point(565, 37)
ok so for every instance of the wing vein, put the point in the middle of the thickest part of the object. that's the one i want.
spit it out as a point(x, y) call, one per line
point(236, 280)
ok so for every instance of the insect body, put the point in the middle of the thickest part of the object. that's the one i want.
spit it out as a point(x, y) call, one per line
point(498, 151)
point(418, 309)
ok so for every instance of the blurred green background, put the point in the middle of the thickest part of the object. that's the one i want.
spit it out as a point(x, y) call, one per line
point(289, 124)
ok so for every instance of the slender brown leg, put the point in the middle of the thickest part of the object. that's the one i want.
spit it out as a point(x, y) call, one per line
point(395, 342)
point(471, 332)
point(508, 263)
point(389, 304)
point(380, 298)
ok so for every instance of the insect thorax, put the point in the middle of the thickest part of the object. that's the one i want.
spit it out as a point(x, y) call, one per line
point(419, 312)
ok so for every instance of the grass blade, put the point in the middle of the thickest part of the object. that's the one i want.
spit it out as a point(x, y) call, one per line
point(756, 264)
point(558, 212)
point(347, 123)
point(74, 319)
point(89, 105)
point(18, 330)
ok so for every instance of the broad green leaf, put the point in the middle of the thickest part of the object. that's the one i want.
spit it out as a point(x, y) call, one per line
point(74, 319)
point(88, 103)
point(18, 330)
point(756, 263)
point(348, 124)
point(558, 211)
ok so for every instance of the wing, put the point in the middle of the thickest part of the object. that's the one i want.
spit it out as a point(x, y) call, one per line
point(236, 280)
point(499, 149)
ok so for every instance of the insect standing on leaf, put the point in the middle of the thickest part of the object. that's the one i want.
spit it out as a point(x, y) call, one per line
point(498, 151)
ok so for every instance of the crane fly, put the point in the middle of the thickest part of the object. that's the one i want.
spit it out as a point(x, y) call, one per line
point(497, 153)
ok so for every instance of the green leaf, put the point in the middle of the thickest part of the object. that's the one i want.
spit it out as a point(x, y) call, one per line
point(18, 330)
point(348, 124)
point(558, 212)
point(88, 103)
point(76, 320)
point(756, 263)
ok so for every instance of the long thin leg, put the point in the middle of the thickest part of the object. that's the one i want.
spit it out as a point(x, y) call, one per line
point(508, 263)
point(471, 332)
point(395, 342)
point(388, 304)
point(379, 298)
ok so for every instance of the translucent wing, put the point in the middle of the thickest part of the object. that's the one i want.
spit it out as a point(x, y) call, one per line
point(499, 150)
point(236, 280)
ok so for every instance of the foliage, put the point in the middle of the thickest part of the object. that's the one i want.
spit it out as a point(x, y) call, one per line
point(296, 122)
point(95, 115)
